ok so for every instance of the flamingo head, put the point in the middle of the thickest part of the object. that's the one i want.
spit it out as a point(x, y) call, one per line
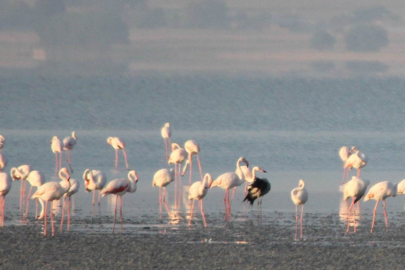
point(167, 124)
point(301, 183)
point(242, 159)
point(109, 140)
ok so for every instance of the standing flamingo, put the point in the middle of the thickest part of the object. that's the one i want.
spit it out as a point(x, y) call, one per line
point(259, 188)
point(119, 187)
point(197, 191)
point(3, 161)
point(247, 172)
point(166, 134)
point(299, 196)
point(355, 189)
point(36, 179)
point(230, 180)
point(68, 143)
point(356, 160)
point(192, 148)
point(51, 191)
point(117, 144)
point(378, 192)
point(21, 173)
point(161, 179)
point(56, 146)
point(177, 157)
point(344, 154)
point(2, 142)
point(94, 180)
point(5, 185)
point(74, 188)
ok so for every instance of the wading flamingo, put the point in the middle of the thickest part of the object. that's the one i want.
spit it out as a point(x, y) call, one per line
point(356, 160)
point(119, 187)
point(51, 191)
point(230, 180)
point(36, 179)
point(161, 179)
point(117, 144)
point(94, 180)
point(177, 157)
point(74, 188)
point(68, 143)
point(344, 154)
point(355, 189)
point(299, 196)
point(21, 173)
point(167, 134)
point(379, 192)
point(5, 185)
point(259, 188)
point(192, 148)
point(197, 191)
point(56, 146)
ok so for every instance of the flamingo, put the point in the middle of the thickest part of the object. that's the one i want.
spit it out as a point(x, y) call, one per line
point(36, 179)
point(166, 134)
point(117, 144)
point(401, 187)
point(355, 189)
point(74, 188)
point(230, 180)
point(56, 146)
point(259, 188)
point(247, 172)
point(68, 143)
point(192, 148)
point(119, 187)
point(5, 185)
point(197, 191)
point(21, 173)
point(3, 161)
point(161, 179)
point(2, 142)
point(356, 160)
point(94, 180)
point(299, 196)
point(378, 192)
point(177, 157)
point(344, 154)
point(51, 191)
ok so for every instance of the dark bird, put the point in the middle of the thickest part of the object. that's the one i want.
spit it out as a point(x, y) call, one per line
point(259, 188)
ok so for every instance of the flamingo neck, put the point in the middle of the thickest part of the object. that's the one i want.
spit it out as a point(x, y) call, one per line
point(239, 171)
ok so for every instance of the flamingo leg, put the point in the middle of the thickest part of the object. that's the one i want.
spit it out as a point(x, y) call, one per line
point(296, 221)
point(175, 185)
point(233, 194)
point(166, 151)
point(121, 213)
point(160, 202)
point(385, 216)
point(115, 215)
point(68, 155)
point(28, 203)
point(36, 209)
point(358, 172)
point(199, 165)
point(68, 210)
point(375, 211)
point(225, 200)
point(344, 174)
point(60, 161)
point(52, 221)
point(302, 218)
point(164, 201)
point(56, 163)
point(191, 213)
point(180, 195)
point(126, 158)
point(246, 185)
point(202, 213)
point(116, 158)
point(191, 167)
point(63, 212)
point(354, 218)
point(348, 215)
point(99, 203)
point(45, 217)
point(92, 203)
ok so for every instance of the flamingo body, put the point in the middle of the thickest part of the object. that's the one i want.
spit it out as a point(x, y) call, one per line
point(5, 186)
point(117, 144)
point(70, 141)
point(197, 192)
point(299, 196)
point(3, 161)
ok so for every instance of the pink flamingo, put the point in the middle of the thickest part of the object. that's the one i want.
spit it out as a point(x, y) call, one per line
point(356, 160)
point(94, 180)
point(68, 143)
point(56, 146)
point(117, 144)
point(51, 191)
point(119, 187)
point(379, 192)
point(355, 189)
point(230, 180)
point(197, 191)
point(5, 185)
point(177, 157)
point(299, 196)
point(36, 179)
point(74, 188)
point(161, 179)
point(192, 148)
point(166, 134)
point(21, 173)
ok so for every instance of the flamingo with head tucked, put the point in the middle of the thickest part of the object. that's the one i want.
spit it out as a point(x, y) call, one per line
point(57, 147)
point(21, 173)
point(5, 185)
point(68, 143)
point(197, 191)
point(356, 160)
point(299, 196)
point(166, 134)
point(177, 157)
point(74, 188)
point(161, 179)
point(119, 187)
point(117, 144)
point(36, 179)
point(192, 148)
point(51, 191)
point(94, 180)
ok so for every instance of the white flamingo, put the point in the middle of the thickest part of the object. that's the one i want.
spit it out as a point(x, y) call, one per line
point(355, 189)
point(177, 157)
point(299, 196)
point(21, 173)
point(119, 187)
point(356, 160)
point(166, 134)
point(197, 191)
point(379, 192)
point(344, 154)
point(57, 147)
point(68, 143)
point(74, 188)
point(94, 180)
point(36, 179)
point(117, 144)
point(5, 186)
point(192, 148)
point(161, 179)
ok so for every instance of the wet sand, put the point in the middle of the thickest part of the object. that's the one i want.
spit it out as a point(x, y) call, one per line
point(251, 241)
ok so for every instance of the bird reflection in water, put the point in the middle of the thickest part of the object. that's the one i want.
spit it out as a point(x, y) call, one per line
point(345, 216)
